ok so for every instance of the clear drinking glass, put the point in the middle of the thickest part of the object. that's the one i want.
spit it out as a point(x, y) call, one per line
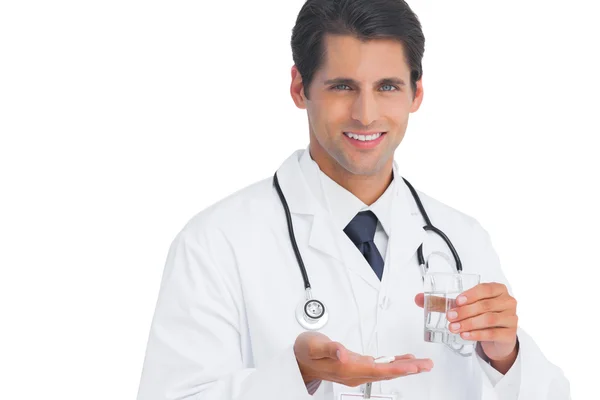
point(441, 290)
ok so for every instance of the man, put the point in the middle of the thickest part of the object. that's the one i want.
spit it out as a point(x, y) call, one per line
point(225, 326)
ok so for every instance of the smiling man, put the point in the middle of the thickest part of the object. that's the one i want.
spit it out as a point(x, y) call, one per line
point(294, 287)
point(360, 100)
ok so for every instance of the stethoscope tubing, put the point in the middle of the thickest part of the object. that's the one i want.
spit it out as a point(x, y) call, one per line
point(428, 227)
point(318, 321)
point(290, 226)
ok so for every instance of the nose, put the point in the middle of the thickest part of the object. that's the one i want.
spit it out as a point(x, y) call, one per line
point(365, 109)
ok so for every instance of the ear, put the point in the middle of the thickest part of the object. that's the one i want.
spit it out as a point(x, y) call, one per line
point(297, 89)
point(418, 96)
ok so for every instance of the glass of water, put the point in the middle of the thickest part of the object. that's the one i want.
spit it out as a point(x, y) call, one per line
point(441, 290)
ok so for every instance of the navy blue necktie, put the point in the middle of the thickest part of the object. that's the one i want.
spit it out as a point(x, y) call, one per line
point(361, 230)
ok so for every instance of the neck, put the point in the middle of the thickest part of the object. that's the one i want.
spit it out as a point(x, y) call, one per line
point(367, 188)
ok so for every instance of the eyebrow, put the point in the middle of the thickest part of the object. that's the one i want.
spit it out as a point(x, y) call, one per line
point(352, 82)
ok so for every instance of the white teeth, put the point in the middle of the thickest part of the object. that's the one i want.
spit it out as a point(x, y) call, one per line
point(364, 138)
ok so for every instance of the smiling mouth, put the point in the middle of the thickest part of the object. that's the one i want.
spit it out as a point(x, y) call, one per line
point(368, 137)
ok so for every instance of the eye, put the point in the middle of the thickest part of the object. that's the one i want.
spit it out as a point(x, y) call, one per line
point(390, 86)
point(339, 86)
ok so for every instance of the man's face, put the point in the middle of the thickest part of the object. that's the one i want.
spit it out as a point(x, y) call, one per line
point(362, 88)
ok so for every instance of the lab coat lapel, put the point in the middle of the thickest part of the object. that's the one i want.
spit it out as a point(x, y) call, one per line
point(323, 235)
point(407, 232)
point(307, 210)
point(356, 262)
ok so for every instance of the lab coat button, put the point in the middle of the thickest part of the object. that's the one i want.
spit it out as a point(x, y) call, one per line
point(384, 302)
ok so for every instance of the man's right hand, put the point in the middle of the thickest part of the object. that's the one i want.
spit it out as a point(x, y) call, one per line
point(320, 358)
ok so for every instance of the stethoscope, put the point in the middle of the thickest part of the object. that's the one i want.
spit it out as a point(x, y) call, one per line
point(311, 313)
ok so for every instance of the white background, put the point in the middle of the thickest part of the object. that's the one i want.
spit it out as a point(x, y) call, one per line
point(120, 120)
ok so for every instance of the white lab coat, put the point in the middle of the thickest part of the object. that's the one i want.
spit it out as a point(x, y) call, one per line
point(224, 324)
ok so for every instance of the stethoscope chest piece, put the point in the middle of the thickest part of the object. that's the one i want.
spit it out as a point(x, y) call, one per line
point(311, 314)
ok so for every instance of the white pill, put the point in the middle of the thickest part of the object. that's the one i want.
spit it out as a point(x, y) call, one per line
point(384, 360)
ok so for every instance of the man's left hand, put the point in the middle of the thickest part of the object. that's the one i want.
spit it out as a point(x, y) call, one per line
point(487, 313)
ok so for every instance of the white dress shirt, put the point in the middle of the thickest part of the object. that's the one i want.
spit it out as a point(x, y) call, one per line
point(343, 207)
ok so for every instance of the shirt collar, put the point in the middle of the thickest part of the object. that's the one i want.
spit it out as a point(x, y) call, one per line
point(342, 204)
